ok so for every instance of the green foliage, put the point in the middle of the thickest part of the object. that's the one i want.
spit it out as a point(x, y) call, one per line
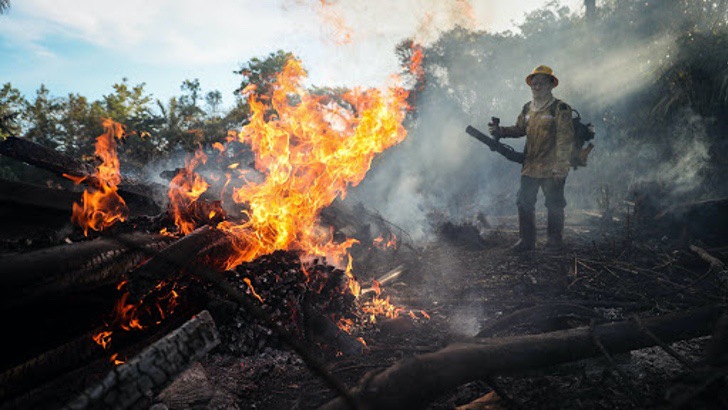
point(41, 117)
point(127, 103)
point(12, 104)
point(262, 72)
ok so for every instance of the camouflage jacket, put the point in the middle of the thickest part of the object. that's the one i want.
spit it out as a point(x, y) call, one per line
point(549, 139)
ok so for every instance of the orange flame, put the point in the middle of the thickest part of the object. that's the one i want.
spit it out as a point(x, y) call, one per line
point(252, 289)
point(137, 316)
point(418, 55)
point(101, 206)
point(310, 149)
point(381, 307)
point(391, 243)
point(103, 338)
point(184, 190)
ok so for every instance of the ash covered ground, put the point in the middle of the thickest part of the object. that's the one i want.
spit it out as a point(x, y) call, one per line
point(466, 280)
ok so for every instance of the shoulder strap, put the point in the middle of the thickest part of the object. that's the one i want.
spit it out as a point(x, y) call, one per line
point(553, 107)
point(526, 107)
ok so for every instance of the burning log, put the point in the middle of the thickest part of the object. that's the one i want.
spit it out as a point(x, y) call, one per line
point(141, 194)
point(326, 331)
point(418, 381)
point(184, 252)
point(127, 386)
point(73, 267)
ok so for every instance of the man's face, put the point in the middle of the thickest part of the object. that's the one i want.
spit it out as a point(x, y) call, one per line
point(541, 85)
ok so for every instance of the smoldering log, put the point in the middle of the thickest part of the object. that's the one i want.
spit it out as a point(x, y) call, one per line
point(324, 330)
point(142, 194)
point(706, 221)
point(129, 385)
point(73, 267)
point(182, 253)
point(416, 382)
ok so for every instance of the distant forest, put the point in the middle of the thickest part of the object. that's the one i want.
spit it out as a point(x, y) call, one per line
point(471, 75)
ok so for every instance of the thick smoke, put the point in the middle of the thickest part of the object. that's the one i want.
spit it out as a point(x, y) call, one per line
point(605, 72)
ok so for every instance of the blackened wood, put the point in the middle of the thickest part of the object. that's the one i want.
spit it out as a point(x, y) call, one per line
point(67, 371)
point(22, 194)
point(81, 266)
point(131, 385)
point(415, 383)
point(536, 317)
point(57, 163)
point(43, 157)
point(706, 221)
point(48, 365)
point(184, 252)
point(325, 331)
point(717, 350)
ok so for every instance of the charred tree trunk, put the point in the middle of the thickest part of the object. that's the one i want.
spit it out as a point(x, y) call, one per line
point(415, 383)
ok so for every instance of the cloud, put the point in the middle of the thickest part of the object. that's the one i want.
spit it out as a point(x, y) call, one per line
point(183, 32)
point(347, 41)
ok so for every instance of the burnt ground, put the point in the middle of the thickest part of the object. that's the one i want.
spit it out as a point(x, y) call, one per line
point(466, 280)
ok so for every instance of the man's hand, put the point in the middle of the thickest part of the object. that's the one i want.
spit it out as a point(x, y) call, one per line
point(495, 131)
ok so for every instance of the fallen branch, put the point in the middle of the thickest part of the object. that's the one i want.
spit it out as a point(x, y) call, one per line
point(422, 379)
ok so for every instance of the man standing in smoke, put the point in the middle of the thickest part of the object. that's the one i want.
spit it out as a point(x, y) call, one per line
point(547, 124)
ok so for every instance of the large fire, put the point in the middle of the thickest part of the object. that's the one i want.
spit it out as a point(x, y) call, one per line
point(308, 150)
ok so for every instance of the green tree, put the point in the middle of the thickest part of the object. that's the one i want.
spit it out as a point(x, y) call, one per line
point(41, 119)
point(213, 99)
point(12, 104)
point(262, 72)
point(79, 124)
point(127, 103)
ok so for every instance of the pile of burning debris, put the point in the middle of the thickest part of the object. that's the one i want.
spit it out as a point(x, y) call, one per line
point(264, 264)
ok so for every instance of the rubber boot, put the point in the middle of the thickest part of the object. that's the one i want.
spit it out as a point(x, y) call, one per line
point(555, 229)
point(526, 231)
